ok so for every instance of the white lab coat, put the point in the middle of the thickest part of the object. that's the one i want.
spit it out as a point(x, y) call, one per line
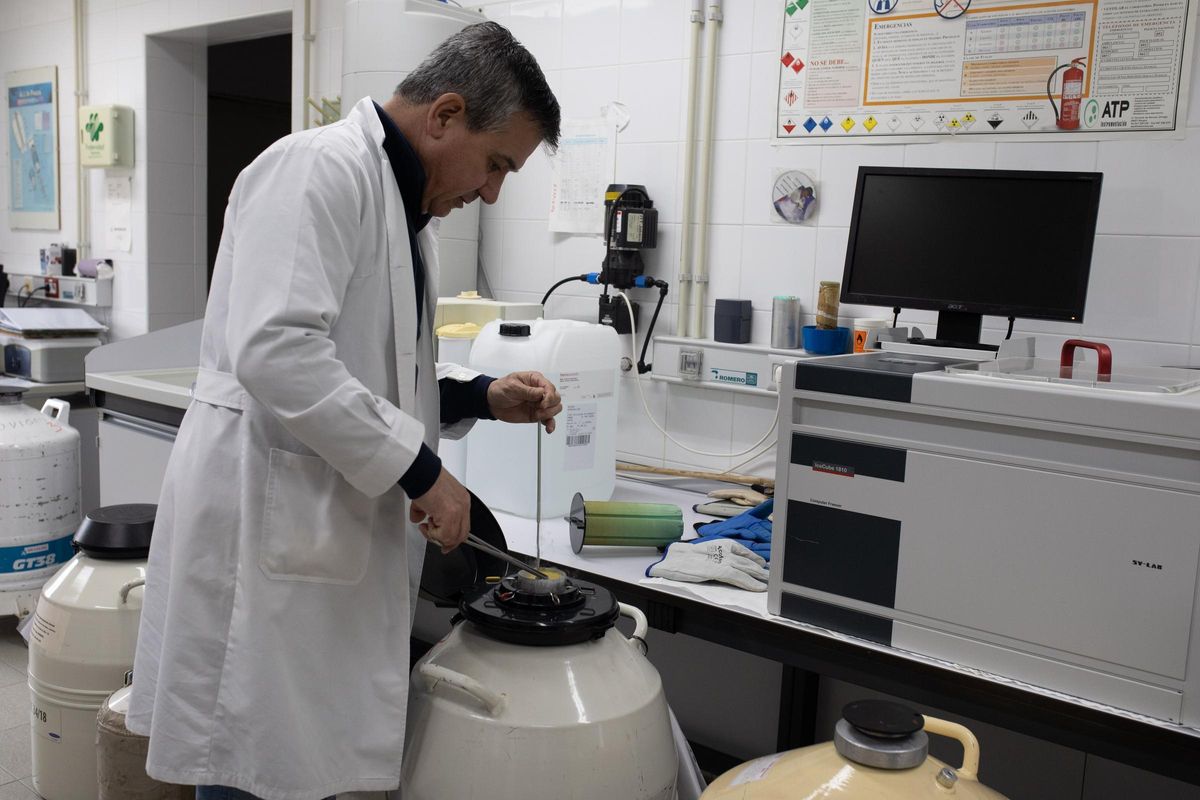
point(273, 649)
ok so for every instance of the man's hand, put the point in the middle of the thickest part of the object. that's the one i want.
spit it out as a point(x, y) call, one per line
point(525, 397)
point(444, 512)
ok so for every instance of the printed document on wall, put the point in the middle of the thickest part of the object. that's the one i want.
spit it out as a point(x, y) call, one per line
point(583, 169)
point(896, 70)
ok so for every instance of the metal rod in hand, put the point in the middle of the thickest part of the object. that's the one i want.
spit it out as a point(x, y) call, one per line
point(538, 524)
point(480, 544)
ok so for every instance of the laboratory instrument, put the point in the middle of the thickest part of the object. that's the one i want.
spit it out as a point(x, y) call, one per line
point(47, 360)
point(630, 226)
point(619, 524)
point(39, 494)
point(581, 359)
point(969, 242)
point(1034, 521)
point(879, 749)
point(81, 645)
point(568, 706)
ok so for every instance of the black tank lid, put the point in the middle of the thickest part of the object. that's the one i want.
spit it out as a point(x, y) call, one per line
point(883, 719)
point(515, 329)
point(526, 610)
point(117, 532)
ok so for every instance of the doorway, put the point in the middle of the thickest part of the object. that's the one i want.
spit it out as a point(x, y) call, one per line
point(249, 108)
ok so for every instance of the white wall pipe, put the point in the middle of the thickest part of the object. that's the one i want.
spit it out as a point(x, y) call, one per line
point(696, 23)
point(700, 270)
point(82, 184)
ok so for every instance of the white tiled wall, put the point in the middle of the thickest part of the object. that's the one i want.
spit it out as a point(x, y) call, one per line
point(1144, 285)
point(160, 282)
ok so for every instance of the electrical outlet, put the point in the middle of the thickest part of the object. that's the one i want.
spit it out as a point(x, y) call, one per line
point(27, 286)
point(52, 287)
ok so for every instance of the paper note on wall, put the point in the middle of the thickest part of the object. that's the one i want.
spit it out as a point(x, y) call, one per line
point(118, 214)
point(583, 169)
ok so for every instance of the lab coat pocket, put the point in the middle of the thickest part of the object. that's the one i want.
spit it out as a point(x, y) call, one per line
point(316, 526)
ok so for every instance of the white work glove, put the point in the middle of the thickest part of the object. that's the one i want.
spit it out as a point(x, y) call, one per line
point(723, 560)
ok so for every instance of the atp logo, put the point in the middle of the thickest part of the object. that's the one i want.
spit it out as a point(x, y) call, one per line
point(94, 127)
point(1091, 113)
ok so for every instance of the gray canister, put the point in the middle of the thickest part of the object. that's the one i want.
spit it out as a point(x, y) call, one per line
point(121, 758)
point(785, 322)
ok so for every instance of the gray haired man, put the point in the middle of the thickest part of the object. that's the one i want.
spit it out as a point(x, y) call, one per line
point(273, 655)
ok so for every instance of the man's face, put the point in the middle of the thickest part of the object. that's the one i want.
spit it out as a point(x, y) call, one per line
point(466, 164)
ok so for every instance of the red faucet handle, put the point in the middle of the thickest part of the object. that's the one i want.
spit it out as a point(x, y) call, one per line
point(1103, 369)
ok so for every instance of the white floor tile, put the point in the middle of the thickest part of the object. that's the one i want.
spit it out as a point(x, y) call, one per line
point(15, 751)
point(14, 710)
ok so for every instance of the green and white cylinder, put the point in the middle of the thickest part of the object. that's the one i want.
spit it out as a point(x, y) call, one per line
point(616, 524)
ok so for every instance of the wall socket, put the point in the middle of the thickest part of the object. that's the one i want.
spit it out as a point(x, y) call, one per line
point(51, 287)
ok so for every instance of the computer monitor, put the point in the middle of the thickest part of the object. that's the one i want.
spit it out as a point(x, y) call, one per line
point(969, 242)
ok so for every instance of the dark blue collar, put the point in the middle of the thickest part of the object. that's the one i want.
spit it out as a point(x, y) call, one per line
point(410, 175)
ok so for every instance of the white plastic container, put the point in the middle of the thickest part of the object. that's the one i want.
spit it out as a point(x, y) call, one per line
point(39, 495)
point(454, 347)
point(81, 644)
point(581, 455)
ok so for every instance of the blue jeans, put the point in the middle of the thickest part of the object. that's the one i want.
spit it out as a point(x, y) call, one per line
point(225, 793)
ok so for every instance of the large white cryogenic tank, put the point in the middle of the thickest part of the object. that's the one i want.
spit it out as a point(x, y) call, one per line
point(39, 495)
point(382, 42)
point(536, 694)
point(81, 644)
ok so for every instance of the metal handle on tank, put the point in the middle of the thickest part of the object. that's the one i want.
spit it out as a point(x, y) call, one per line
point(61, 409)
point(640, 625)
point(128, 587)
point(434, 674)
point(952, 730)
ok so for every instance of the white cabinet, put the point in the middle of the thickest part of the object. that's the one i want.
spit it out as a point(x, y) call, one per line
point(133, 460)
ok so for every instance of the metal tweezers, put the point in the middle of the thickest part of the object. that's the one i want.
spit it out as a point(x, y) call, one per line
point(480, 544)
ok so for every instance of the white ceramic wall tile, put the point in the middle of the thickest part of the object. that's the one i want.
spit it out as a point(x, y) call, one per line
point(172, 188)
point(183, 13)
point(591, 33)
point(764, 82)
point(130, 287)
point(160, 321)
point(1193, 115)
point(777, 259)
point(171, 137)
point(491, 238)
point(724, 263)
point(768, 26)
point(655, 166)
point(127, 324)
point(131, 84)
point(1149, 187)
point(727, 182)
point(701, 419)
point(653, 96)
point(955, 153)
point(764, 161)
point(839, 176)
point(1143, 288)
point(733, 96)
point(172, 289)
point(653, 30)
point(831, 266)
point(636, 435)
point(528, 260)
point(527, 193)
point(576, 255)
point(737, 29)
point(169, 238)
point(663, 261)
point(1059, 156)
point(46, 11)
point(200, 288)
point(100, 34)
point(537, 24)
point(583, 92)
point(753, 418)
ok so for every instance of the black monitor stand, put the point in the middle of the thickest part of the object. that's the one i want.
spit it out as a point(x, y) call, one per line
point(957, 329)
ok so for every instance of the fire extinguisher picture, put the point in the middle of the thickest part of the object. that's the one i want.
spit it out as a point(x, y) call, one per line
point(1072, 94)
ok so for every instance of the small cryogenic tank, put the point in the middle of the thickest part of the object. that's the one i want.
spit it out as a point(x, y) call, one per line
point(537, 694)
point(39, 494)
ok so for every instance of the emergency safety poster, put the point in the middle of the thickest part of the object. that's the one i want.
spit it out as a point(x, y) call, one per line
point(876, 70)
point(33, 148)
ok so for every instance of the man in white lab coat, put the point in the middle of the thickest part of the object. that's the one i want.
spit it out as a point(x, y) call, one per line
point(273, 654)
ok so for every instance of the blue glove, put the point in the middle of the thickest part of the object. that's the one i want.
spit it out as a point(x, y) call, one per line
point(751, 528)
